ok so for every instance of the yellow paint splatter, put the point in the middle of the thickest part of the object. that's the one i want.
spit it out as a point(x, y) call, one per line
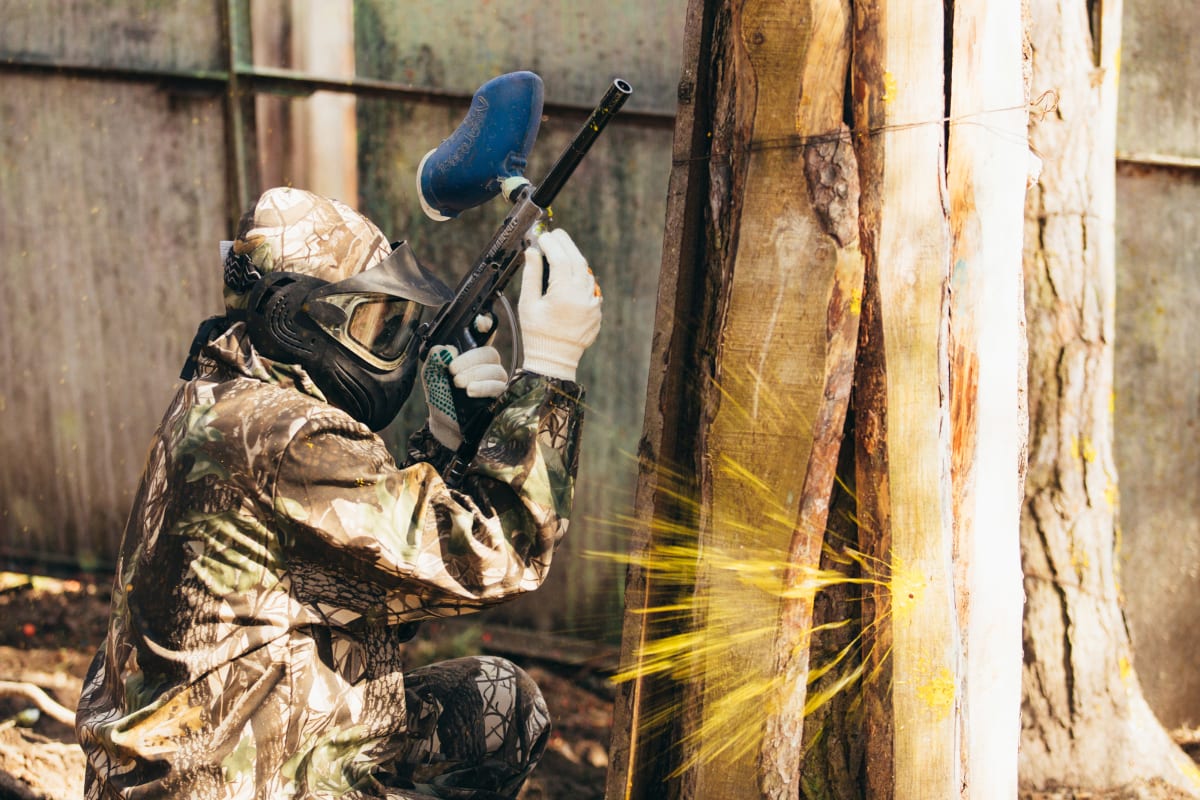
point(889, 87)
point(1189, 768)
point(856, 301)
point(908, 588)
point(1089, 451)
point(938, 692)
point(1125, 668)
point(1080, 560)
point(1110, 494)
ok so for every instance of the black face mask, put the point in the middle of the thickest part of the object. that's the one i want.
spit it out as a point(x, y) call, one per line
point(355, 338)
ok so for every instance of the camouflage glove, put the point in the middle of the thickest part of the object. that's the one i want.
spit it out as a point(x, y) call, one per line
point(559, 324)
point(477, 371)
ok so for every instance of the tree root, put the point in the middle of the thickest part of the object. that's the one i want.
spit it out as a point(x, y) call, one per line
point(44, 702)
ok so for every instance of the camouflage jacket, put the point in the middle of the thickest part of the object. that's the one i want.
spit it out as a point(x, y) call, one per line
point(273, 559)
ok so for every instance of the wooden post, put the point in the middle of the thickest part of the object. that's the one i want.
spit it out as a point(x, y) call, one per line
point(988, 148)
point(789, 279)
point(783, 252)
point(903, 403)
point(779, 298)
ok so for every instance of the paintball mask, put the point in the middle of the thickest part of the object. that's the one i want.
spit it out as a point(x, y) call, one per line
point(318, 285)
point(354, 337)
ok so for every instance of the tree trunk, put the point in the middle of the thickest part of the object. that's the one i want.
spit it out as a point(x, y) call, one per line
point(1085, 722)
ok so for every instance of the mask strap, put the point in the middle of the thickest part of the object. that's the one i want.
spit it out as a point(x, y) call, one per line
point(208, 329)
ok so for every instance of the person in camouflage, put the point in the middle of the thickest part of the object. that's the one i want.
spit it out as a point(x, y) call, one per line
point(276, 558)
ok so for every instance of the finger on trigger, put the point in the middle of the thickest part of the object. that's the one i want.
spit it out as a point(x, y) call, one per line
point(531, 275)
point(561, 253)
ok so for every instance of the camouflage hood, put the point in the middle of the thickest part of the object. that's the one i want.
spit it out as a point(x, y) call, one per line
point(231, 355)
point(291, 230)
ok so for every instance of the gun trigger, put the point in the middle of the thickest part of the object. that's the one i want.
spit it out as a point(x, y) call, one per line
point(484, 324)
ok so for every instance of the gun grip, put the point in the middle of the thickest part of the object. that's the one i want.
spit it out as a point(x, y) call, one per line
point(467, 408)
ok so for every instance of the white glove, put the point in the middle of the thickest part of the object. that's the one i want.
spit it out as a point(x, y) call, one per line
point(478, 371)
point(556, 327)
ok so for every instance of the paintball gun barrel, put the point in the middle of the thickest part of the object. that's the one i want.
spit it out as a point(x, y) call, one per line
point(466, 321)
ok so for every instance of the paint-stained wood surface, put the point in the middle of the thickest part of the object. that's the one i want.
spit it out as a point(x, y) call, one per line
point(831, 181)
point(987, 139)
point(181, 35)
point(782, 276)
point(1157, 430)
point(459, 44)
point(1159, 105)
point(904, 473)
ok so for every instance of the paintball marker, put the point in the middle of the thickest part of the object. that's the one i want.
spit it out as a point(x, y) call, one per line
point(485, 156)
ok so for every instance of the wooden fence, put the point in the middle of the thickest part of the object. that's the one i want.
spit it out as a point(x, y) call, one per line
point(132, 135)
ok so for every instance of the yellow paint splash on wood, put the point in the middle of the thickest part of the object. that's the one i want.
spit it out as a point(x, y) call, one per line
point(908, 588)
point(1083, 450)
point(889, 87)
point(938, 692)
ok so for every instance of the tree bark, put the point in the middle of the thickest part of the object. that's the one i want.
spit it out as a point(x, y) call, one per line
point(1085, 723)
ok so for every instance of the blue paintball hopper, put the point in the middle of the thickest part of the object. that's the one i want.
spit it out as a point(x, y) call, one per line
point(489, 147)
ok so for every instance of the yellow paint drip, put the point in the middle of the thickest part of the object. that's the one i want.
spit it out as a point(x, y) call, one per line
point(1125, 669)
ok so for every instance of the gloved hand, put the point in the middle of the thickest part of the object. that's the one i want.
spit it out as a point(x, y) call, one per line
point(557, 326)
point(478, 371)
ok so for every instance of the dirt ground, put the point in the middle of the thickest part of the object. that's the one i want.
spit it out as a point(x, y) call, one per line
point(50, 629)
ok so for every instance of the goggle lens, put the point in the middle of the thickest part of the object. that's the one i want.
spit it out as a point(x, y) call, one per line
point(379, 326)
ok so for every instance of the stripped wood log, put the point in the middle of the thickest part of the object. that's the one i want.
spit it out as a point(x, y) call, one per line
point(831, 177)
point(988, 145)
point(903, 474)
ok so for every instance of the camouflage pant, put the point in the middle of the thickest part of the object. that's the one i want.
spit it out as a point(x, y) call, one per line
point(478, 727)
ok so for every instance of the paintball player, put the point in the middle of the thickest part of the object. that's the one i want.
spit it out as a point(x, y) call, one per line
point(276, 556)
